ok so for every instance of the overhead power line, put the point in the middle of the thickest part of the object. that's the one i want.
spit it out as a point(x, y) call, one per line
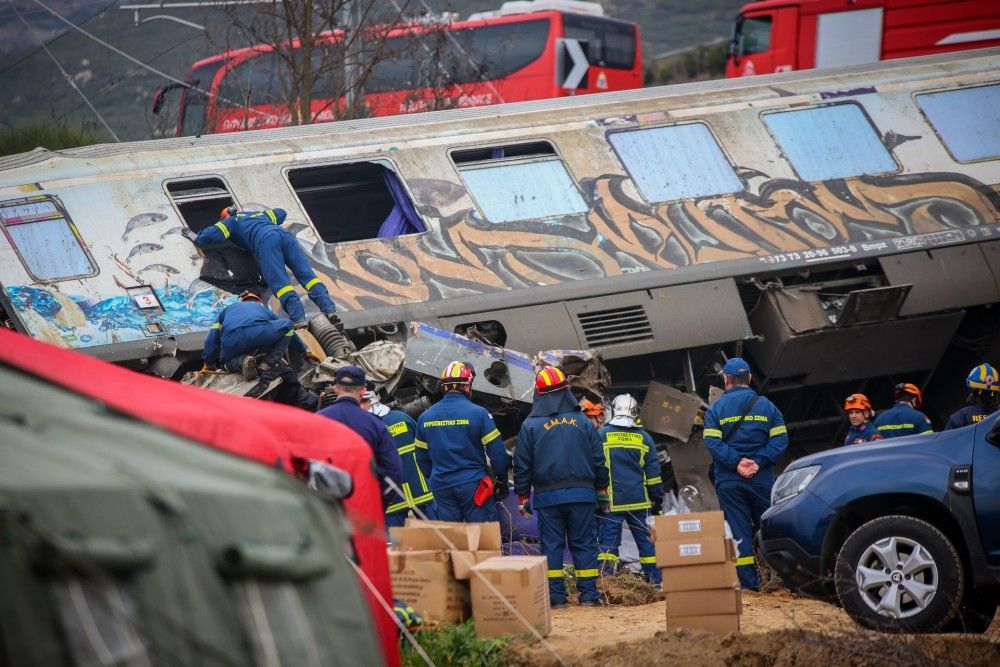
point(65, 74)
point(56, 38)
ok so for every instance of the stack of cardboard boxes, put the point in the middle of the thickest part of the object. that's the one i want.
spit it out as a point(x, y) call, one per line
point(699, 572)
point(433, 563)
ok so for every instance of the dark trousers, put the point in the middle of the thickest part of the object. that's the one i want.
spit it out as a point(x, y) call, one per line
point(281, 248)
point(575, 523)
point(398, 518)
point(455, 504)
point(272, 338)
point(610, 532)
point(743, 503)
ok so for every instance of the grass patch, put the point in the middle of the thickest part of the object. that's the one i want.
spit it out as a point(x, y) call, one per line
point(456, 645)
point(54, 136)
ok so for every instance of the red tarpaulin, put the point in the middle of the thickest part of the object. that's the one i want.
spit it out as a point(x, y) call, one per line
point(259, 430)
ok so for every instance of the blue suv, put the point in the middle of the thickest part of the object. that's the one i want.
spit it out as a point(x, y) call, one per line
point(905, 533)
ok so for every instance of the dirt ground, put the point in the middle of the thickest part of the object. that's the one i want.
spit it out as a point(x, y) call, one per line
point(777, 629)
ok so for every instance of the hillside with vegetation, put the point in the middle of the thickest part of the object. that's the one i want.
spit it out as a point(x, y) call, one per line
point(36, 92)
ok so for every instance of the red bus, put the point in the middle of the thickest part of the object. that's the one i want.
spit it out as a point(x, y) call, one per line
point(785, 35)
point(510, 55)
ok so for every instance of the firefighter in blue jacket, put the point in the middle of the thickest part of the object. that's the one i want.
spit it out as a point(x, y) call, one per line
point(416, 493)
point(274, 247)
point(559, 456)
point(635, 488)
point(983, 382)
point(454, 438)
point(904, 418)
point(245, 329)
point(859, 413)
point(349, 386)
point(744, 452)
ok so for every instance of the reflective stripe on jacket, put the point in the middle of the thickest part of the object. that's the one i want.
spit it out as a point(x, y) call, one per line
point(247, 230)
point(403, 430)
point(761, 437)
point(633, 467)
point(902, 419)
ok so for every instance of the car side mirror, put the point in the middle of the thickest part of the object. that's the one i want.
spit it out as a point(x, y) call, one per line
point(330, 482)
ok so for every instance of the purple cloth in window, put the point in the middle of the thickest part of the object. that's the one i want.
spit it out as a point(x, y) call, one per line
point(497, 153)
point(403, 218)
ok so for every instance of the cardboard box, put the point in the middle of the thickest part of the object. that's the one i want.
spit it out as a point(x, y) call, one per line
point(704, 602)
point(523, 581)
point(425, 580)
point(685, 526)
point(700, 577)
point(489, 533)
point(458, 536)
point(694, 551)
point(720, 624)
point(463, 561)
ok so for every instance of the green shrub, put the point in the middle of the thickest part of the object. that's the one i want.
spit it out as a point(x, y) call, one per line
point(455, 645)
point(53, 136)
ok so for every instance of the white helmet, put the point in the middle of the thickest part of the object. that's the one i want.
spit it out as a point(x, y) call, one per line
point(375, 406)
point(624, 411)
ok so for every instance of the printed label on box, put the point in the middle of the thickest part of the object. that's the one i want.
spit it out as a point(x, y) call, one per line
point(689, 549)
point(689, 526)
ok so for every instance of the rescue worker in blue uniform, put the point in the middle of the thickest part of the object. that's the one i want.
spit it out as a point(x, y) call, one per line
point(904, 418)
point(559, 456)
point(983, 382)
point(245, 329)
point(744, 452)
point(349, 386)
point(274, 247)
point(859, 413)
point(460, 445)
point(416, 493)
point(636, 486)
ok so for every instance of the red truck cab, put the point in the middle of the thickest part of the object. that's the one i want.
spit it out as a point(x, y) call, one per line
point(784, 35)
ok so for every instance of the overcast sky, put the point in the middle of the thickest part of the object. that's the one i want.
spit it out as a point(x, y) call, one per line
point(15, 39)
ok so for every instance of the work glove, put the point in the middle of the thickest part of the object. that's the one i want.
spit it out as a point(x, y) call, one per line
point(603, 501)
point(500, 488)
point(524, 506)
point(189, 234)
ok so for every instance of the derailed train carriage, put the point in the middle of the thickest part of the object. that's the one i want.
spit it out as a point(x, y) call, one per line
point(838, 228)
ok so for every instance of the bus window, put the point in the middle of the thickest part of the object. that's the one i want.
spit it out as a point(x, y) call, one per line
point(510, 187)
point(254, 81)
point(967, 120)
point(45, 239)
point(193, 102)
point(828, 142)
point(610, 43)
point(200, 200)
point(675, 162)
point(350, 202)
point(753, 35)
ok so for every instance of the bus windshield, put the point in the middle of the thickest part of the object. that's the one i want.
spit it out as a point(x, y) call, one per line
point(610, 43)
point(193, 102)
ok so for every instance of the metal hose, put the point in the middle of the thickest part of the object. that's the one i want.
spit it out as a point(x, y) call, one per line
point(332, 340)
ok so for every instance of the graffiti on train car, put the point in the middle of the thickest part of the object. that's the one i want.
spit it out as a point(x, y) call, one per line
point(465, 255)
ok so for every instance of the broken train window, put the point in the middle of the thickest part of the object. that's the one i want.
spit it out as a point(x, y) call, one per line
point(675, 162)
point(835, 141)
point(200, 200)
point(519, 182)
point(354, 201)
point(45, 239)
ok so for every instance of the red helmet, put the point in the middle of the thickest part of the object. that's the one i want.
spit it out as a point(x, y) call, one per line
point(247, 295)
point(549, 379)
point(458, 373)
point(859, 402)
point(904, 388)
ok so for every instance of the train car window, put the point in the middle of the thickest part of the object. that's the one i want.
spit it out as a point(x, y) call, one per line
point(829, 142)
point(45, 239)
point(519, 182)
point(360, 200)
point(200, 200)
point(99, 621)
point(675, 162)
point(967, 120)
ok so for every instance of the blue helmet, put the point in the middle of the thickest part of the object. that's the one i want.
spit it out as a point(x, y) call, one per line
point(985, 377)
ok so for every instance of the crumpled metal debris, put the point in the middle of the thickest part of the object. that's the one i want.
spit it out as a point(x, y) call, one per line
point(382, 362)
point(584, 369)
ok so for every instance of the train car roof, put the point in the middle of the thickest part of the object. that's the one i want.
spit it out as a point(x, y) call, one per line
point(42, 165)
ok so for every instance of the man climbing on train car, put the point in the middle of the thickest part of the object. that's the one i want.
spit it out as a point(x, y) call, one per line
point(859, 413)
point(275, 248)
point(983, 382)
point(904, 418)
point(416, 493)
point(559, 457)
point(454, 438)
point(636, 487)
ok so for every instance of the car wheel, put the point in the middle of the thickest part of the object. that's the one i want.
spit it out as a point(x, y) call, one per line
point(898, 573)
